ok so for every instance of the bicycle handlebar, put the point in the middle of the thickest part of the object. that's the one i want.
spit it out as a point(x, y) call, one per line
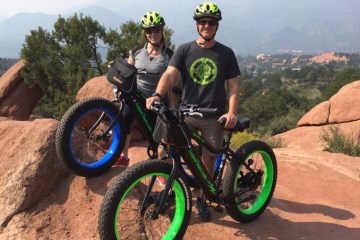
point(193, 110)
point(188, 110)
point(155, 106)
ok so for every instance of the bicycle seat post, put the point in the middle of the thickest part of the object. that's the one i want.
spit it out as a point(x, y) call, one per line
point(227, 138)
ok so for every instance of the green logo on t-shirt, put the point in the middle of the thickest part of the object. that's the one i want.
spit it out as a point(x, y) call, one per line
point(203, 71)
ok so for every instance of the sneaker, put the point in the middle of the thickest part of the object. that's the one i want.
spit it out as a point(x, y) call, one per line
point(122, 161)
point(204, 213)
point(161, 181)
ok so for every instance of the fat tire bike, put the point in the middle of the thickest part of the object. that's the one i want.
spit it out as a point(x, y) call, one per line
point(136, 206)
point(90, 136)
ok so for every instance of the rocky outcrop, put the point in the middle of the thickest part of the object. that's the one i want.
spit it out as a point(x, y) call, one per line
point(29, 168)
point(344, 106)
point(328, 57)
point(10, 79)
point(310, 137)
point(319, 115)
point(97, 86)
point(341, 111)
point(17, 99)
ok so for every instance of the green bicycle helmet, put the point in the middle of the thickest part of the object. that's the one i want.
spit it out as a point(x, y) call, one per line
point(207, 9)
point(152, 19)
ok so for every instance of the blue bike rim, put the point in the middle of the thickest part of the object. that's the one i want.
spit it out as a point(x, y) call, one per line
point(116, 131)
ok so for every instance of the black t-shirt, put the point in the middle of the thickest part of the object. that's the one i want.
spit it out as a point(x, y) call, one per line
point(203, 72)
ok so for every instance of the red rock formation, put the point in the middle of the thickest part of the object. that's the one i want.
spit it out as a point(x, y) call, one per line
point(97, 86)
point(17, 99)
point(319, 115)
point(344, 106)
point(29, 168)
point(328, 57)
point(10, 79)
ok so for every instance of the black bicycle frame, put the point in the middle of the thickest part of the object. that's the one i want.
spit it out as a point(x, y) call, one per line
point(145, 118)
point(209, 185)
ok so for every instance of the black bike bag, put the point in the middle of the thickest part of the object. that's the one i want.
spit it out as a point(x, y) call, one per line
point(169, 130)
point(122, 75)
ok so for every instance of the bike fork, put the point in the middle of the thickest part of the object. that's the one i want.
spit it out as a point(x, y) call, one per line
point(112, 124)
point(147, 194)
point(176, 165)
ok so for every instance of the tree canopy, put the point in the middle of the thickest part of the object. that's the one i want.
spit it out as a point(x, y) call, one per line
point(61, 61)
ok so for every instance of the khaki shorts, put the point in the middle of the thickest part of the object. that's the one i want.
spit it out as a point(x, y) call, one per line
point(209, 129)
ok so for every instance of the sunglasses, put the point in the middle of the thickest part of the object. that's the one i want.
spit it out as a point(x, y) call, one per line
point(210, 22)
point(153, 30)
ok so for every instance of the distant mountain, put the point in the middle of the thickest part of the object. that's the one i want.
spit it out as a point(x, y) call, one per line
point(250, 27)
point(311, 26)
point(14, 29)
point(2, 18)
point(22, 23)
point(108, 18)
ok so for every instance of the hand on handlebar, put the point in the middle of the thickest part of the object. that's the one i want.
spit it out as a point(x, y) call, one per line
point(151, 100)
point(231, 120)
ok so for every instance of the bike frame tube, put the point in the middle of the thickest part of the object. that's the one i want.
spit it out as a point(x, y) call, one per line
point(201, 141)
point(145, 118)
point(197, 168)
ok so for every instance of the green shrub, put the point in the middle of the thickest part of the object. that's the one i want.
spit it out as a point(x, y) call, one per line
point(241, 138)
point(336, 142)
point(281, 124)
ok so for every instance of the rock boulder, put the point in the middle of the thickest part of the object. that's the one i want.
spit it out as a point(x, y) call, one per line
point(17, 99)
point(342, 107)
point(29, 168)
point(96, 87)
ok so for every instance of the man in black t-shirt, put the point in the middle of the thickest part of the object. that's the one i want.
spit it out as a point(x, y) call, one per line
point(205, 66)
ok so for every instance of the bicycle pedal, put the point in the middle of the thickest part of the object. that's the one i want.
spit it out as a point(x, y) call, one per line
point(215, 206)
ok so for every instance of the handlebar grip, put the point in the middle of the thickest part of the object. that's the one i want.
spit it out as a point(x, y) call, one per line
point(208, 110)
point(155, 106)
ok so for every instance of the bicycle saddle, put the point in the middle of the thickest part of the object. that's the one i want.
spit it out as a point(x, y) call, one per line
point(242, 123)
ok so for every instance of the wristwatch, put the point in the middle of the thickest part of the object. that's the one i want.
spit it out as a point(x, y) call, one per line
point(155, 94)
